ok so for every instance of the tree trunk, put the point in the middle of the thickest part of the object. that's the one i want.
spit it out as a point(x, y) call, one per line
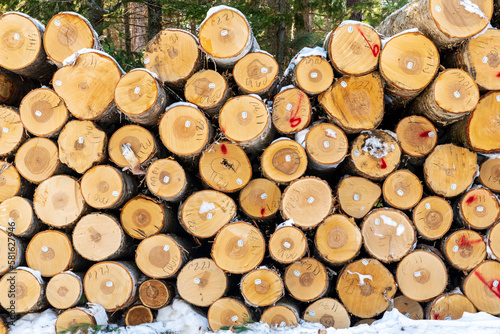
point(432, 217)
point(402, 189)
point(262, 287)
point(306, 280)
point(156, 294)
point(291, 111)
point(65, 290)
point(287, 244)
point(283, 161)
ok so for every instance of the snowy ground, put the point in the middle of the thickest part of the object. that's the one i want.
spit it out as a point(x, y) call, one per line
point(180, 318)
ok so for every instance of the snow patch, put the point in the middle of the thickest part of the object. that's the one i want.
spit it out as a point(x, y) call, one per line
point(206, 206)
point(99, 313)
point(286, 87)
point(361, 277)
point(300, 137)
point(472, 8)
point(35, 273)
point(71, 60)
point(182, 318)
point(185, 104)
point(304, 53)
point(376, 147)
point(288, 222)
point(36, 323)
point(388, 221)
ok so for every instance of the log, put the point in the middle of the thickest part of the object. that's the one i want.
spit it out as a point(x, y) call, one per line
point(402, 189)
point(260, 199)
point(162, 255)
point(489, 174)
point(13, 251)
point(449, 307)
point(328, 312)
point(238, 248)
point(291, 111)
point(22, 291)
point(67, 33)
point(307, 201)
point(99, 237)
point(166, 179)
point(449, 98)
point(464, 249)
point(227, 312)
point(245, 120)
point(205, 212)
point(417, 137)
point(306, 280)
point(446, 23)
point(87, 84)
point(353, 48)
point(138, 315)
point(432, 217)
point(365, 287)
point(355, 103)
point(65, 290)
point(16, 215)
point(374, 155)
point(492, 240)
point(185, 131)
point(283, 161)
point(81, 318)
point(281, 315)
point(256, 73)
point(357, 195)
point(12, 131)
point(449, 170)
point(388, 234)
point(201, 282)
point(478, 208)
point(43, 113)
point(338, 239)
point(481, 287)
point(156, 294)
point(58, 201)
point(409, 307)
point(14, 87)
point(287, 244)
point(4, 327)
point(82, 145)
point(225, 167)
point(174, 55)
point(111, 284)
point(141, 97)
point(38, 159)
point(142, 217)
point(262, 287)
point(11, 183)
point(208, 90)
point(106, 187)
point(310, 71)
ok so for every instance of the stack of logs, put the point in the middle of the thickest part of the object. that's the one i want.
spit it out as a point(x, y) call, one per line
point(253, 196)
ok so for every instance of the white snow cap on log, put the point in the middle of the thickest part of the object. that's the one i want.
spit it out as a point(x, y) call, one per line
point(35, 273)
point(99, 313)
point(386, 39)
point(39, 25)
point(180, 317)
point(70, 61)
point(305, 52)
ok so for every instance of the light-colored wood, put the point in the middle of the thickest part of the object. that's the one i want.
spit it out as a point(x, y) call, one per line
point(4, 327)
point(111, 284)
point(238, 248)
point(161, 255)
point(374, 155)
point(225, 167)
point(357, 195)
point(287, 244)
point(493, 242)
point(402, 189)
point(306, 280)
point(58, 201)
point(353, 48)
point(87, 85)
point(326, 146)
point(283, 161)
point(338, 239)
point(464, 249)
point(227, 312)
point(43, 112)
point(205, 212)
point(260, 199)
point(481, 287)
point(328, 312)
point(208, 90)
point(14, 87)
point(280, 316)
point(138, 315)
point(143, 216)
point(408, 307)
point(50, 252)
point(421, 276)
point(200, 282)
point(184, 130)
point(433, 217)
point(291, 111)
point(67, 33)
point(17, 216)
point(12, 134)
point(450, 307)
point(449, 98)
point(106, 187)
point(262, 287)
point(22, 290)
point(246, 121)
point(80, 319)
point(388, 234)
point(65, 290)
point(167, 180)
point(12, 252)
point(313, 74)
point(82, 145)
point(38, 159)
point(355, 103)
point(256, 73)
point(450, 169)
point(156, 294)
point(98, 237)
point(489, 174)
point(417, 137)
point(11, 183)
point(479, 209)
point(366, 287)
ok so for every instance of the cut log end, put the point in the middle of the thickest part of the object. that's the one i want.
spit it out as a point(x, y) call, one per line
point(326, 146)
point(328, 312)
point(10, 181)
point(38, 159)
point(28, 291)
point(142, 217)
point(416, 135)
point(408, 307)
point(256, 73)
point(450, 307)
point(402, 190)
point(156, 294)
point(160, 256)
point(280, 316)
point(481, 287)
point(479, 208)
point(481, 129)
point(284, 161)
point(227, 312)
point(131, 146)
point(489, 174)
point(260, 199)
point(17, 216)
point(207, 89)
point(12, 130)
point(262, 287)
point(138, 315)
point(64, 290)
point(291, 111)
point(306, 280)
point(313, 74)
point(74, 318)
point(464, 249)
point(287, 245)
point(433, 217)
point(166, 179)
point(357, 195)
point(50, 252)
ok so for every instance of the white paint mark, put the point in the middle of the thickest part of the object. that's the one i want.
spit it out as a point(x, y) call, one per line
point(224, 32)
point(115, 193)
point(388, 221)
point(455, 249)
point(343, 84)
point(166, 248)
point(314, 75)
point(205, 207)
point(288, 158)
point(310, 200)
point(312, 313)
point(361, 277)
point(137, 90)
point(80, 140)
point(437, 8)
point(356, 197)
point(378, 235)
point(400, 192)
point(16, 36)
point(377, 221)
point(409, 65)
point(480, 208)
point(400, 229)
point(495, 283)
point(235, 318)
point(146, 61)
point(240, 243)
point(263, 70)
point(57, 23)
point(364, 261)
point(45, 249)
point(109, 284)
point(498, 98)
point(211, 85)
point(350, 29)
point(187, 124)
point(356, 153)
point(38, 113)
point(326, 144)
point(417, 274)
point(296, 273)
point(196, 281)
point(239, 181)
point(289, 106)
point(263, 196)
point(453, 186)
point(58, 83)
point(286, 244)
point(166, 179)
point(258, 281)
point(330, 133)
point(431, 134)
point(427, 206)
point(457, 94)
point(209, 215)
point(244, 115)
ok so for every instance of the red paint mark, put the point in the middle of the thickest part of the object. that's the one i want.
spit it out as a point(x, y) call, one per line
point(223, 149)
point(262, 212)
point(375, 48)
point(223, 130)
point(498, 75)
point(435, 316)
point(424, 134)
point(463, 241)
point(490, 286)
point(294, 120)
point(383, 164)
point(470, 199)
